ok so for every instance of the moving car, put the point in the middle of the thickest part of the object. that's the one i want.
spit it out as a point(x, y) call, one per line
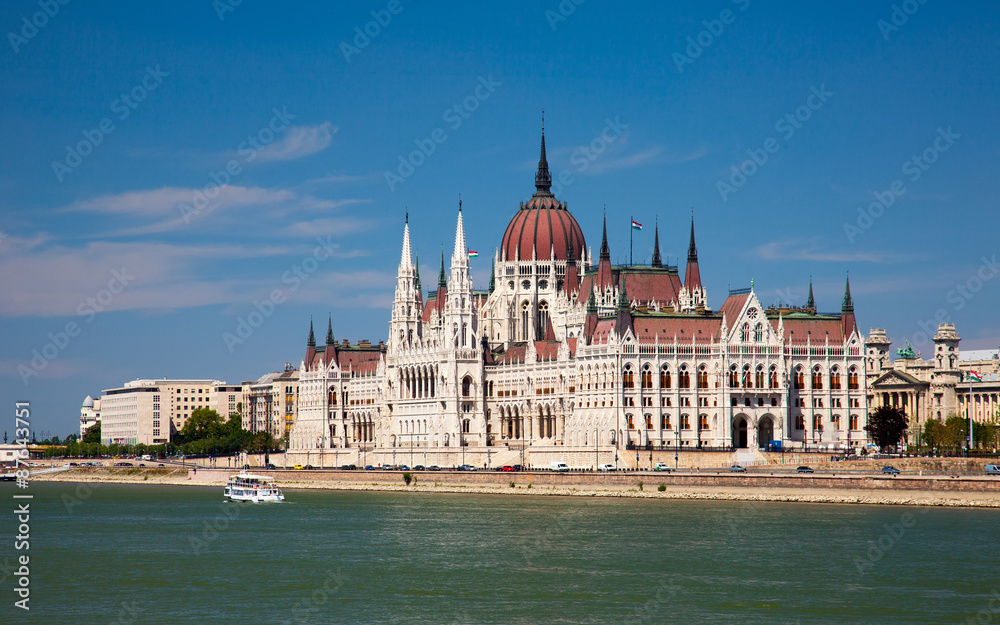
point(737, 468)
point(507, 468)
point(466, 467)
point(561, 467)
point(298, 466)
point(369, 467)
point(993, 469)
point(662, 466)
point(606, 467)
point(888, 470)
point(804, 469)
point(434, 467)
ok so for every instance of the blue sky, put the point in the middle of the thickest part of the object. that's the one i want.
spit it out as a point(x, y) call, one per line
point(163, 99)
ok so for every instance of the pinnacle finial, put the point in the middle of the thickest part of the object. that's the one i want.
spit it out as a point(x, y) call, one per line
point(811, 302)
point(692, 248)
point(543, 179)
point(442, 281)
point(848, 302)
point(329, 330)
point(605, 250)
point(312, 337)
point(657, 260)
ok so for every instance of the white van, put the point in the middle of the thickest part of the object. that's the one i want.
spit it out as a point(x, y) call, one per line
point(559, 466)
point(993, 469)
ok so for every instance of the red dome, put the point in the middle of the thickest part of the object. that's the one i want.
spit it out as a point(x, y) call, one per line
point(545, 226)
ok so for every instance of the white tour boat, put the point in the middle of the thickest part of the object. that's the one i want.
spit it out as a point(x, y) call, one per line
point(253, 488)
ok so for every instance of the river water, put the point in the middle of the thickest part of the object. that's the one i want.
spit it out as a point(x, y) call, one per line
point(172, 554)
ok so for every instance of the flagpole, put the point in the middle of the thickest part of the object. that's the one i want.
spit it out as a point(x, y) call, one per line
point(631, 233)
point(970, 411)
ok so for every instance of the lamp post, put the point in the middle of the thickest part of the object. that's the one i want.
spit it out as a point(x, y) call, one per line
point(677, 448)
point(597, 453)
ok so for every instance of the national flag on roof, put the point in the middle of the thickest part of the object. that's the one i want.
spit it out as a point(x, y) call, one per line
point(636, 225)
point(975, 377)
point(473, 253)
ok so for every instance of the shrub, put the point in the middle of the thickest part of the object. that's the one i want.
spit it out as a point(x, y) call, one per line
point(661, 487)
point(512, 484)
point(407, 478)
point(640, 485)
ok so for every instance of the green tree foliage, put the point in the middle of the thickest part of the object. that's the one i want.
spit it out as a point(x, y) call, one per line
point(92, 434)
point(886, 426)
point(935, 434)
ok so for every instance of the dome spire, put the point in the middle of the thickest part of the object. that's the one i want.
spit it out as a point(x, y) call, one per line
point(605, 250)
point(811, 302)
point(543, 179)
point(657, 260)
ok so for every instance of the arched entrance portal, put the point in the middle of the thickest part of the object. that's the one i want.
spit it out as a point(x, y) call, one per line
point(765, 432)
point(740, 433)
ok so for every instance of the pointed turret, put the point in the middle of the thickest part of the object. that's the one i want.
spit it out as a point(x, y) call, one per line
point(847, 319)
point(460, 256)
point(543, 179)
point(657, 261)
point(811, 302)
point(312, 337)
point(692, 277)
point(310, 346)
point(605, 278)
point(590, 323)
point(406, 257)
point(571, 283)
point(442, 280)
point(623, 321)
point(329, 331)
point(493, 274)
point(416, 271)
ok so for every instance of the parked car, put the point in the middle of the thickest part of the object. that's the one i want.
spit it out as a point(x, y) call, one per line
point(889, 470)
point(419, 467)
point(662, 466)
point(508, 468)
point(518, 467)
point(737, 468)
point(309, 467)
point(993, 469)
point(561, 467)
point(606, 467)
point(466, 467)
point(434, 467)
point(123, 464)
point(804, 469)
point(298, 466)
point(73, 464)
point(160, 465)
point(369, 467)
point(270, 466)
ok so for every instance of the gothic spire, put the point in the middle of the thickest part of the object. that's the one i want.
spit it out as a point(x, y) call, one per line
point(657, 261)
point(692, 276)
point(442, 281)
point(543, 179)
point(605, 250)
point(416, 268)
point(493, 274)
point(591, 304)
point(811, 302)
point(406, 257)
point(329, 331)
point(848, 306)
point(624, 305)
point(460, 257)
point(312, 337)
point(692, 249)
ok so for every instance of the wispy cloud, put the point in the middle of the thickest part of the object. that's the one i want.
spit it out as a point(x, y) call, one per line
point(299, 141)
point(628, 161)
point(809, 250)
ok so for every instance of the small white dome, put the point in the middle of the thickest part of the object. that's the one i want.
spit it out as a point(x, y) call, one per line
point(89, 402)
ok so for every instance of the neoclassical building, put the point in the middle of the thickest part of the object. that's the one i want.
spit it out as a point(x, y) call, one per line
point(566, 352)
point(936, 388)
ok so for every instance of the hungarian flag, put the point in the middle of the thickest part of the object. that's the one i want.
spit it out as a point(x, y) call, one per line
point(975, 377)
point(473, 253)
point(636, 225)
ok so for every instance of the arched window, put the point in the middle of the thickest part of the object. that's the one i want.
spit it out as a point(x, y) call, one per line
point(647, 377)
point(760, 376)
point(817, 378)
point(818, 423)
point(800, 378)
point(664, 377)
point(758, 333)
point(745, 333)
point(835, 379)
point(702, 377)
point(543, 319)
point(772, 377)
point(800, 422)
point(747, 380)
point(525, 328)
point(734, 378)
point(852, 379)
point(684, 377)
point(628, 377)
point(466, 386)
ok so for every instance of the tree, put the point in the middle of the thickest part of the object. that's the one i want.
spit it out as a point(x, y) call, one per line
point(956, 431)
point(203, 423)
point(886, 426)
point(92, 434)
point(935, 434)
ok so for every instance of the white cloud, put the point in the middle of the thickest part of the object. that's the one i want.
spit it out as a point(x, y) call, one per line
point(299, 141)
point(808, 250)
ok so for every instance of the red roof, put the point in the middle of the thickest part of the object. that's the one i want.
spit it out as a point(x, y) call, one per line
point(815, 331)
point(545, 226)
point(664, 329)
point(733, 306)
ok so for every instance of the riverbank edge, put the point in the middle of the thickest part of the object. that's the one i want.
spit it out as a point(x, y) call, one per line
point(649, 491)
